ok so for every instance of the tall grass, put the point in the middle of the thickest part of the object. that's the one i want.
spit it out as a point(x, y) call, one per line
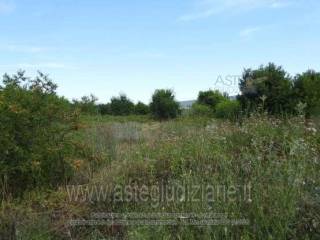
point(278, 158)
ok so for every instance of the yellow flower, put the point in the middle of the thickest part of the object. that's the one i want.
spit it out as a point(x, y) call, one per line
point(35, 164)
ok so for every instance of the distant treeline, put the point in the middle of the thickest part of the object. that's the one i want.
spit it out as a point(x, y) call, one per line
point(269, 88)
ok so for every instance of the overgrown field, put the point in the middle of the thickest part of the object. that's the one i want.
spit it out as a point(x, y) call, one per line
point(276, 160)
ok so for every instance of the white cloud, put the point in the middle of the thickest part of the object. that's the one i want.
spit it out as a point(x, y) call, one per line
point(208, 8)
point(6, 7)
point(247, 32)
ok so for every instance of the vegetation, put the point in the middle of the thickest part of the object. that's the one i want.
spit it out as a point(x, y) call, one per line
point(87, 104)
point(268, 85)
point(121, 106)
point(164, 105)
point(201, 110)
point(62, 161)
point(141, 109)
point(34, 143)
point(211, 98)
point(104, 109)
point(307, 90)
point(228, 109)
point(278, 158)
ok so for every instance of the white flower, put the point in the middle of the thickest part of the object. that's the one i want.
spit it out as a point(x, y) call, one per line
point(312, 130)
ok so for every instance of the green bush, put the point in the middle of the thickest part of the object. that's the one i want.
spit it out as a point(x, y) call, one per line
point(35, 124)
point(307, 90)
point(121, 106)
point(104, 109)
point(87, 104)
point(228, 109)
point(164, 105)
point(210, 98)
point(201, 110)
point(268, 86)
point(141, 109)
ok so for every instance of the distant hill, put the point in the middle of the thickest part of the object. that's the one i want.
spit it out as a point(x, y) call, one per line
point(233, 97)
point(186, 104)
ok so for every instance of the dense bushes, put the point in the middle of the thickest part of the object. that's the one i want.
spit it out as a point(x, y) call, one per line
point(34, 126)
point(229, 109)
point(141, 109)
point(307, 90)
point(215, 104)
point(121, 106)
point(87, 104)
point(268, 88)
point(104, 109)
point(201, 110)
point(210, 98)
point(164, 105)
point(273, 89)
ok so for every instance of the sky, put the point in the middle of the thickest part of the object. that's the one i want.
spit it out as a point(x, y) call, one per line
point(107, 47)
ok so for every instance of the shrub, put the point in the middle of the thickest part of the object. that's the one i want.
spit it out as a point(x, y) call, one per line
point(229, 109)
point(87, 104)
point(141, 109)
point(307, 90)
point(269, 86)
point(164, 105)
point(210, 98)
point(35, 124)
point(121, 106)
point(104, 109)
point(201, 110)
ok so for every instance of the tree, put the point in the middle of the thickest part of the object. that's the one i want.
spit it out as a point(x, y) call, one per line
point(270, 86)
point(307, 90)
point(121, 106)
point(211, 98)
point(141, 109)
point(87, 104)
point(35, 126)
point(164, 105)
point(104, 109)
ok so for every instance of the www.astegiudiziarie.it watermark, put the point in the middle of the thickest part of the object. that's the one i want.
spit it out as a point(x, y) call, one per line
point(160, 194)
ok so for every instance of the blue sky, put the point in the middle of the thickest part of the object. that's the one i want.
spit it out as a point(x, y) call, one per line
point(107, 47)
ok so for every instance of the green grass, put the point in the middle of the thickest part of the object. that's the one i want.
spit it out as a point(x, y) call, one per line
point(278, 158)
point(120, 119)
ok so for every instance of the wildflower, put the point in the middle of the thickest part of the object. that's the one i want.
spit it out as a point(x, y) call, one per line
point(77, 164)
point(35, 164)
point(312, 130)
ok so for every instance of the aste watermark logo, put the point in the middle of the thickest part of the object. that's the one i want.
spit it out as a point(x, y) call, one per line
point(160, 194)
point(227, 80)
point(228, 84)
